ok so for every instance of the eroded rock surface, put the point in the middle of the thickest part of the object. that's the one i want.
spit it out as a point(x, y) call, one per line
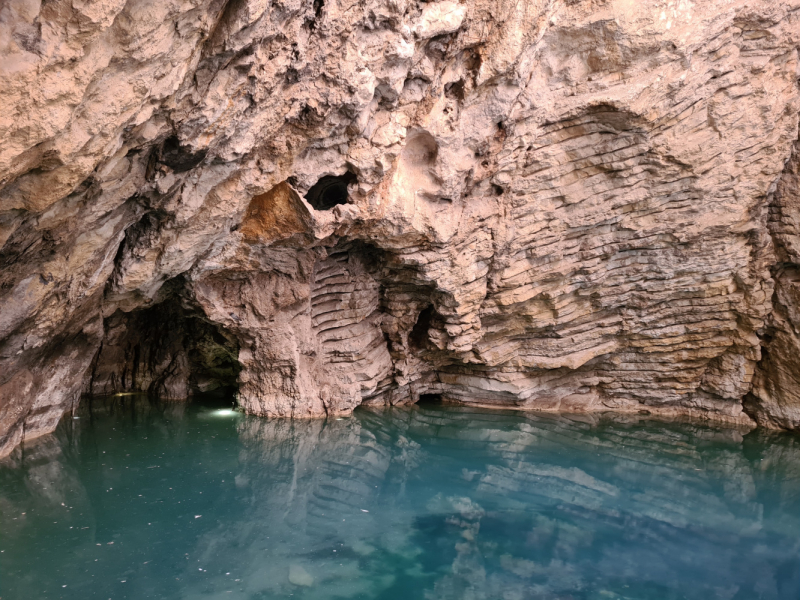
point(775, 399)
point(561, 205)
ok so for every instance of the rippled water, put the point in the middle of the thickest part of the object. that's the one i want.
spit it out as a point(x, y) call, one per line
point(148, 500)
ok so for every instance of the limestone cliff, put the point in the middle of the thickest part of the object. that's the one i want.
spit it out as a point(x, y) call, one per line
point(550, 204)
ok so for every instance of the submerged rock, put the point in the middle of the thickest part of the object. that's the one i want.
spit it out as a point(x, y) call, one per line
point(542, 205)
point(299, 576)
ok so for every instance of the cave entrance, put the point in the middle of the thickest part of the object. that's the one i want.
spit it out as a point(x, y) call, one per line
point(430, 399)
point(168, 351)
point(330, 191)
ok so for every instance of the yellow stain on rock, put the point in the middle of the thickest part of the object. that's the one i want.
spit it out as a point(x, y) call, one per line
point(276, 214)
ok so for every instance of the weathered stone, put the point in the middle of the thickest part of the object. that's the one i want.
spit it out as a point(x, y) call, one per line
point(548, 205)
point(775, 398)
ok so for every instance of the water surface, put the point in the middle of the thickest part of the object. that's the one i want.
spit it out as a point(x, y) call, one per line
point(140, 499)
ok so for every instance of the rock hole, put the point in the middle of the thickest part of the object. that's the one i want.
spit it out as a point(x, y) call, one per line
point(387, 97)
point(418, 338)
point(292, 75)
point(318, 6)
point(437, 47)
point(430, 399)
point(330, 190)
point(177, 157)
point(455, 90)
point(421, 149)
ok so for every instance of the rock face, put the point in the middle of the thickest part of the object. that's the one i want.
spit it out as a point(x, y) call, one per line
point(775, 399)
point(552, 204)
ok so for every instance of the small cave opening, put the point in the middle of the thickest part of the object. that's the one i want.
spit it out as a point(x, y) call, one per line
point(330, 191)
point(455, 90)
point(178, 157)
point(168, 351)
point(418, 337)
point(430, 399)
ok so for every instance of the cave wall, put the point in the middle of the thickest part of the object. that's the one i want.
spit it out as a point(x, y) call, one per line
point(561, 205)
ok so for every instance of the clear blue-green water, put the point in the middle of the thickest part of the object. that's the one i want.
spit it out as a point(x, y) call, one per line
point(139, 499)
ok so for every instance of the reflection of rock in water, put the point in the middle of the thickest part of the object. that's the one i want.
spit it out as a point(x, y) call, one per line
point(440, 503)
point(314, 469)
point(38, 482)
point(662, 490)
point(131, 406)
point(46, 465)
point(51, 481)
point(309, 482)
point(533, 507)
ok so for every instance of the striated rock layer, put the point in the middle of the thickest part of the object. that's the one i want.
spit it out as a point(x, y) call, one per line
point(552, 204)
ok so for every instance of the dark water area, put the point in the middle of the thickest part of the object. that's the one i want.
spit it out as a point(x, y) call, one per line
point(141, 499)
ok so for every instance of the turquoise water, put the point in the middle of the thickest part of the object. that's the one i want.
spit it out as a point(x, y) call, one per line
point(139, 499)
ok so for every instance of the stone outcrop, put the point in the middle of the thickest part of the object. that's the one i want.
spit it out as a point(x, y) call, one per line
point(554, 205)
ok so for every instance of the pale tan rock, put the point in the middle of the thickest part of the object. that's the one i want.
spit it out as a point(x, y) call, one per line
point(439, 18)
point(549, 205)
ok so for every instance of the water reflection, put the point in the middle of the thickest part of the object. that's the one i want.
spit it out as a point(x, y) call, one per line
point(166, 501)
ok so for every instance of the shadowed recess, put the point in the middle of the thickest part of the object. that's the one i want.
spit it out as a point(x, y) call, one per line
point(167, 350)
point(430, 399)
point(330, 190)
point(418, 338)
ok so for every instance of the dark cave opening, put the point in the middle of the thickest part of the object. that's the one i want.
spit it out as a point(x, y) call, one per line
point(418, 337)
point(169, 351)
point(330, 191)
point(178, 157)
point(430, 399)
point(213, 359)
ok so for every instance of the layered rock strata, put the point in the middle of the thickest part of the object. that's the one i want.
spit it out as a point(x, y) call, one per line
point(775, 397)
point(560, 205)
